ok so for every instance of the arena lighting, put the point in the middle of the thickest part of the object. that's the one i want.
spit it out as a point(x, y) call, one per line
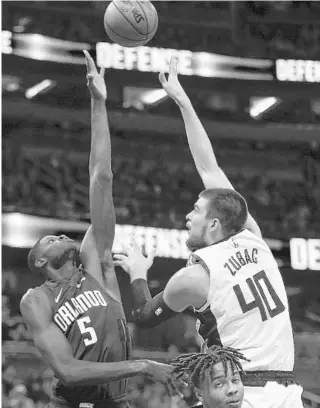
point(153, 96)
point(153, 59)
point(203, 64)
point(298, 70)
point(22, 231)
point(261, 105)
point(41, 87)
point(6, 42)
point(305, 254)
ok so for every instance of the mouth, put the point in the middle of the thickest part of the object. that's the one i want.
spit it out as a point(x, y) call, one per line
point(235, 403)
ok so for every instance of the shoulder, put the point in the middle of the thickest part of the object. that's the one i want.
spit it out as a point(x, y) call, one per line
point(35, 304)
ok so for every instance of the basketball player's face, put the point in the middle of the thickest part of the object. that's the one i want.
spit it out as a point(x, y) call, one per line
point(224, 391)
point(198, 226)
point(57, 249)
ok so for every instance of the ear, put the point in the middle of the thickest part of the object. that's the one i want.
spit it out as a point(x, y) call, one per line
point(198, 393)
point(214, 224)
point(40, 263)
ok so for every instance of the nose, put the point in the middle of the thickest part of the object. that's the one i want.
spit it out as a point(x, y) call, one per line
point(232, 389)
point(188, 216)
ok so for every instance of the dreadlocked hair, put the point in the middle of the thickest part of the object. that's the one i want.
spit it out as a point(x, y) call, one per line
point(196, 365)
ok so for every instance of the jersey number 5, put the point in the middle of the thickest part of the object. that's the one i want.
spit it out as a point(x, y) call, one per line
point(92, 337)
point(260, 299)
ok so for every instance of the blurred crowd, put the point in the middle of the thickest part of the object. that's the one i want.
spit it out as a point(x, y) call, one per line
point(82, 23)
point(33, 390)
point(146, 190)
point(28, 391)
point(259, 29)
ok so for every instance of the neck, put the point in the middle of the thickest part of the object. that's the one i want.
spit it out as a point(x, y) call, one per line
point(65, 272)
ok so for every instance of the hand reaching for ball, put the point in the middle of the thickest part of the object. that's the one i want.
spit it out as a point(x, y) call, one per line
point(95, 80)
point(172, 85)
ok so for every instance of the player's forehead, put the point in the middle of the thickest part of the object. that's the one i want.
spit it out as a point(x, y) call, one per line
point(219, 370)
point(201, 203)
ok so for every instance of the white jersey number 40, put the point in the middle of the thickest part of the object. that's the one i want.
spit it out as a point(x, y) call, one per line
point(260, 299)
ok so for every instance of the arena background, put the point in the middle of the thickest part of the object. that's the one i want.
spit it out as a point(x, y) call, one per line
point(252, 70)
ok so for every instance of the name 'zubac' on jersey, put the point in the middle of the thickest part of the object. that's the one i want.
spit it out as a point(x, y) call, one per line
point(248, 301)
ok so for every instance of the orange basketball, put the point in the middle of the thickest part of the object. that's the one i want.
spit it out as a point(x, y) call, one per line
point(131, 23)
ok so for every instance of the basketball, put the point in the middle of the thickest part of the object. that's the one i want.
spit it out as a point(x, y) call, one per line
point(131, 23)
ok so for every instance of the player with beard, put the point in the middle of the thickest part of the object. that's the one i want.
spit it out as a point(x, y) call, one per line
point(231, 272)
point(76, 317)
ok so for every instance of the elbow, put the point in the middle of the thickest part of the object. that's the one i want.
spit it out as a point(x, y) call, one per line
point(102, 174)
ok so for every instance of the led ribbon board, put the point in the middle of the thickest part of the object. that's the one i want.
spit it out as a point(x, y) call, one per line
point(154, 59)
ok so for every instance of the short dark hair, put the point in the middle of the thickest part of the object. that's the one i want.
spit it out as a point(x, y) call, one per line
point(196, 365)
point(229, 206)
point(33, 256)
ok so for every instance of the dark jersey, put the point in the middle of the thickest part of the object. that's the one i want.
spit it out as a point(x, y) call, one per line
point(95, 327)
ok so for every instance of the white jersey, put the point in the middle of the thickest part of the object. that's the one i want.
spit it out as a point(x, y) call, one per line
point(248, 299)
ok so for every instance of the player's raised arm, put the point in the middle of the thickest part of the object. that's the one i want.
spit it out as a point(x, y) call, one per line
point(56, 351)
point(187, 287)
point(200, 146)
point(99, 238)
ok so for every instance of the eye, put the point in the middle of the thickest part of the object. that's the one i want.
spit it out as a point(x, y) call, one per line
point(236, 380)
point(218, 384)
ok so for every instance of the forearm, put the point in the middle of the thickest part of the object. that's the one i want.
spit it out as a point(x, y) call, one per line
point(83, 373)
point(102, 210)
point(148, 311)
point(198, 140)
point(100, 154)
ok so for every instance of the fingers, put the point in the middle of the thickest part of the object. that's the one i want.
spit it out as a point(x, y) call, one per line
point(102, 71)
point(89, 78)
point(134, 244)
point(173, 66)
point(163, 79)
point(120, 257)
point(91, 67)
point(126, 248)
point(118, 263)
point(152, 253)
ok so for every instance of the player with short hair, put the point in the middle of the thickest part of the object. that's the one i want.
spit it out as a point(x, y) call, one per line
point(76, 317)
point(215, 373)
point(231, 272)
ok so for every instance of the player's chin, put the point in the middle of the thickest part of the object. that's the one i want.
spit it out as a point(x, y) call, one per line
point(70, 245)
point(190, 243)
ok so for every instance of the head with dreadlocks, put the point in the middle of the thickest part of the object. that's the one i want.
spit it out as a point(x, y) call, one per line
point(215, 372)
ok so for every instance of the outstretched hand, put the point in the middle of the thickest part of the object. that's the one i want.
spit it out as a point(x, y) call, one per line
point(172, 85)
point(132, 261)
point(95, 79)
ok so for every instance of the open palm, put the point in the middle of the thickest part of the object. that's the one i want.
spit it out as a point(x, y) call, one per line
point(132, 260)
point(96, 83)
point(172, 85)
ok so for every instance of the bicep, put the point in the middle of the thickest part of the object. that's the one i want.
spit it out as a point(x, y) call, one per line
point(55, 349)
point(102, 212)
point(175, 297)
point(252, 226)
point(215, 179)
point(187, 287)
point(48, 339)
